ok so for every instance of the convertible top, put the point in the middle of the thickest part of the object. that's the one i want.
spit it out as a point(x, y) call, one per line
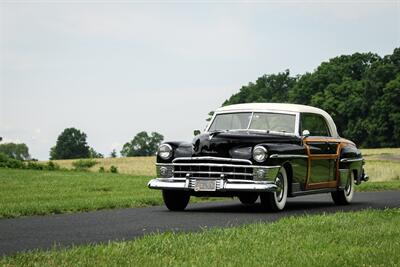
point(282, 107)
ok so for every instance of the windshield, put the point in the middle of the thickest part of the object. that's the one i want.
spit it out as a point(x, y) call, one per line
point(274, 122)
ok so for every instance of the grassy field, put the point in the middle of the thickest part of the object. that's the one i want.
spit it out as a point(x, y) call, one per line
point(29, 192)
point(32, 192)
point(366, 238)
point(382, 164)
point(140, 166)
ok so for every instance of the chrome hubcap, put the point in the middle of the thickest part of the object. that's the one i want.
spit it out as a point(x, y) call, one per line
point(347, 189)
point(280, 183)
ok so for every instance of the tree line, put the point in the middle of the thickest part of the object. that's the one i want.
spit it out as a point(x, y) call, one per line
point(360, 91)
point(72, 144)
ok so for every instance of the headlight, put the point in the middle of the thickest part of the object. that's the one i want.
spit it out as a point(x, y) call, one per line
point(259, 153)
point(165, 151)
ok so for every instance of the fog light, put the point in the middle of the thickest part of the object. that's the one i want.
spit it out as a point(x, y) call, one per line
point(164, 171)
point(259, 174)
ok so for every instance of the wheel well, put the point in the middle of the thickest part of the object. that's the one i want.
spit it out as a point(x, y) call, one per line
point(289, 173)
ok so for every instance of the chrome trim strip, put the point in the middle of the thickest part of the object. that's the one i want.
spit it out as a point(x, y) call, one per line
point(297, 118)
point(210, 172)
point(230, 185)
point(212, 158)
point(288, 156)
point(350, 160)
point(216, 165)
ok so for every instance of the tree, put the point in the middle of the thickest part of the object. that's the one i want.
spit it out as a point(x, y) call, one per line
point(361, 92)
point(71, 144)
point(142, 144)
point(94, 154)
point(15, 151)
point(113, 153)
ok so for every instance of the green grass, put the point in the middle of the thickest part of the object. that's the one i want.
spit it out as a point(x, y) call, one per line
point(378, 186)
point(366, 238)
point(32, 192)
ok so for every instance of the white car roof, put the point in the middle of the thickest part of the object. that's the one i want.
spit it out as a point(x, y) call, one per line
point(282, 107)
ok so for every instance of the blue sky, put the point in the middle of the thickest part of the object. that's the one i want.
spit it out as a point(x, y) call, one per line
point(113, 69)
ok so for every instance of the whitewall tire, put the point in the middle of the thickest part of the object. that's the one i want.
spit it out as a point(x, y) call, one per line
point(276, 201)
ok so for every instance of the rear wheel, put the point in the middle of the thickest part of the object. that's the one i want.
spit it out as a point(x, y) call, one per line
point(276, 201)
point(248, 198)
point(175, 200)
point(345, 196)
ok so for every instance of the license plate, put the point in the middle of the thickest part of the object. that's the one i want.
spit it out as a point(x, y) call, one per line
point(205, 185)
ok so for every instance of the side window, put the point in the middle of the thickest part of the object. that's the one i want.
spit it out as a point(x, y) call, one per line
point(314, 123)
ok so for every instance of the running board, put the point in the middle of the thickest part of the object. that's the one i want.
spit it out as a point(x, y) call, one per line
point(313, 191)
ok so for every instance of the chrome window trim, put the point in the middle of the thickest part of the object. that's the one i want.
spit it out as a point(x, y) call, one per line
point(212, 158)
point(288, 156)
point(296, 127)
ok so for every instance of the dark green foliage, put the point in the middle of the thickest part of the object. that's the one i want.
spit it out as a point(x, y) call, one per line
point(101, 169)
point(7, 162)
point(15, 151)
point(71, 144)
point(113, 169)
point(113, 153)
point(94, 154)
point(142, 144)
point(360, 91)
point(83, 164)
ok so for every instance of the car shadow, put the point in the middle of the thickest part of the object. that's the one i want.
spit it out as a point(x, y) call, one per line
point(295, 207)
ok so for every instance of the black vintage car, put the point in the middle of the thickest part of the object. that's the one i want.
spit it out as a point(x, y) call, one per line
point(271, 151)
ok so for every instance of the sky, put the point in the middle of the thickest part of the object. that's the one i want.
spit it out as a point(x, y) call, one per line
point(113, 69)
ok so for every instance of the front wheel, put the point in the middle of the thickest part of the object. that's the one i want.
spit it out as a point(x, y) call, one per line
point(345, 196)
point(175, 200)
point(276, 201)
point(248, 198)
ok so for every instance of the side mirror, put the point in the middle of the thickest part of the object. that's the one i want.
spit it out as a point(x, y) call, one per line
point(305, 133)
point(196, 132)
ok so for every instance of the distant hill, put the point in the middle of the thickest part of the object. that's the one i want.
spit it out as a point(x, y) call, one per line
point(361, 91)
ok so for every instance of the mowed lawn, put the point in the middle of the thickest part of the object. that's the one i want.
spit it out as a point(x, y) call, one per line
point(33, 192)
point(365, 238)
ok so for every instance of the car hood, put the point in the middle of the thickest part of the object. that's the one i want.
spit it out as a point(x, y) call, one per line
point(231, 144)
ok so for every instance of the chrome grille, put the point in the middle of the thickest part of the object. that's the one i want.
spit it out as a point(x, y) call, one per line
point(213, 168)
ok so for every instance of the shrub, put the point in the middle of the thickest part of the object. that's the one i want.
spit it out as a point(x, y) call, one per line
point(101, 169)
point(113, 169)
point(7, 162)
point(35, 166)
point(84, 164)
point(51, 166)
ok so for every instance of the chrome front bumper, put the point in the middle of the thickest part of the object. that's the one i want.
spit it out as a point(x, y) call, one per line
point(222, 185)
point(233, 175)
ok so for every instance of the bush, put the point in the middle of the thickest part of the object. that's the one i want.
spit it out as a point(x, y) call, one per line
point(51, 166)
point(84, 164)
point(7, 162)
point(101, 169)
point(113, 169)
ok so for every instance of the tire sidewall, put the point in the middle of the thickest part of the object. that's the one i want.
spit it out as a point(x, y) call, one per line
point(280, 205)
point(348, 195)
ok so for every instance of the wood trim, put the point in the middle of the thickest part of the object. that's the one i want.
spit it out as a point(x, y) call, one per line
point(329, 184)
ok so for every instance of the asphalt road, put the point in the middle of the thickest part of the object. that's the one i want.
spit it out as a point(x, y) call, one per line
point(125, 224)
